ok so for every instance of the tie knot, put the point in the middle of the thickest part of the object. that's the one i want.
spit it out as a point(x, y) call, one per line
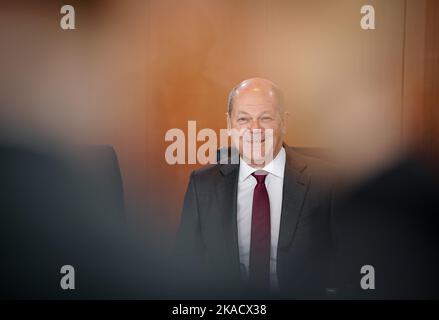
point(260, 176)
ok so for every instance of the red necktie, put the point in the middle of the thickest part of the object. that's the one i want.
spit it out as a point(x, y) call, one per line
point(260, 236)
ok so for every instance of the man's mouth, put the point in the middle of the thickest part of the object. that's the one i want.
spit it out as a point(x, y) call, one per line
point(255, 140)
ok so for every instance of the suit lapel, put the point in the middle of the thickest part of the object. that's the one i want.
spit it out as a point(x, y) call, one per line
point(227, 191)
point(294, 190)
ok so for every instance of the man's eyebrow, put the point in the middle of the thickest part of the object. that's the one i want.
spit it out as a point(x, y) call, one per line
point(265, 112)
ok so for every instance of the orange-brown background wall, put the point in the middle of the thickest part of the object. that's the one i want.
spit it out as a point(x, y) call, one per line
point(134, 69)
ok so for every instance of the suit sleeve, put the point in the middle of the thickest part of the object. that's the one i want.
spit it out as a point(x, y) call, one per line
point(189, 242)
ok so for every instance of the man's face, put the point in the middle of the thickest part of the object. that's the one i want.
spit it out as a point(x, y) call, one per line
point(257, 125)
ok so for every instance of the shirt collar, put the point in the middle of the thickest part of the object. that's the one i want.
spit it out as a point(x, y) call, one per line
point(275, 167)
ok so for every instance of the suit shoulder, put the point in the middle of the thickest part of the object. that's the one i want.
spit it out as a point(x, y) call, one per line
point(317, 164)
point(323, 169)
point(206, 169)
point(206, 172)
point(211, 173)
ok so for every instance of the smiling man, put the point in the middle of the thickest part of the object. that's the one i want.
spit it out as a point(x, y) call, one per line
point(264, 224)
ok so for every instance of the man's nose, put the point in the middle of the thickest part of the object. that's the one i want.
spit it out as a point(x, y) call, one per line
point(255, 125)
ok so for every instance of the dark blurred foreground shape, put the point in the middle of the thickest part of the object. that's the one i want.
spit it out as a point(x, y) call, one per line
point(390, 222)
point(66, 208)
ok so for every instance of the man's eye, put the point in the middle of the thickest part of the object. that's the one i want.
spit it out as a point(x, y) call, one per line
point(242, 119)
point(266, 118)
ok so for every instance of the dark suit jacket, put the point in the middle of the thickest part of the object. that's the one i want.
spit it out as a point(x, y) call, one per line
point(207, 236)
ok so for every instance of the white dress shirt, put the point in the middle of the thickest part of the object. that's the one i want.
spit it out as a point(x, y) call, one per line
point(246, 185)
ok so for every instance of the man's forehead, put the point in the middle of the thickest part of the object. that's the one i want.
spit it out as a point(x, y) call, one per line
point(255, 94)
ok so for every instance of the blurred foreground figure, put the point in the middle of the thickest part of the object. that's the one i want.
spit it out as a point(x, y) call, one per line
point(391, 222)
point(66, 208)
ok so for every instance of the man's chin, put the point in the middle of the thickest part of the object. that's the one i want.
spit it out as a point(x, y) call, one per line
point(257, 162)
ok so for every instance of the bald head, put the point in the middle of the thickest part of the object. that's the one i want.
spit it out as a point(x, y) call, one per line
point(256, 89)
